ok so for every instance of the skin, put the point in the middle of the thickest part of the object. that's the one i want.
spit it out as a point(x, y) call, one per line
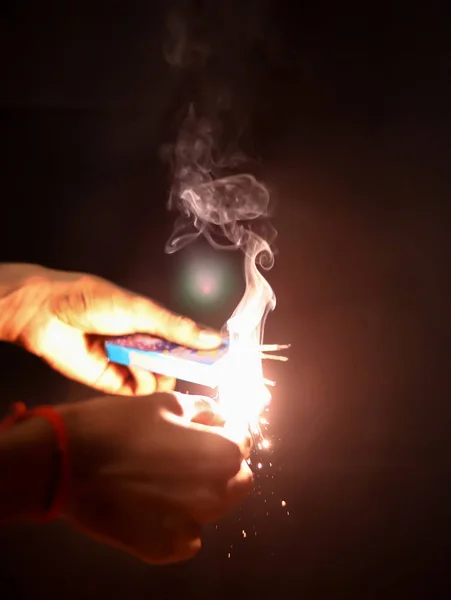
point(146, 472)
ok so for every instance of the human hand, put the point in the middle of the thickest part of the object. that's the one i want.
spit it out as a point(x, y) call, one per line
point(146, 476)
point(63, 318)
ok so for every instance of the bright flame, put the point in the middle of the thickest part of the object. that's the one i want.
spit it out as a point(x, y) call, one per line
point(242, 393)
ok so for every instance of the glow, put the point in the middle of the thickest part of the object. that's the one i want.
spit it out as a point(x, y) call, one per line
point(242, 392)
point(205, 280)
point(243, 395)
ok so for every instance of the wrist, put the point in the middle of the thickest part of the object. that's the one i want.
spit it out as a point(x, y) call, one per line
point(34, 463)
point(85, 454)
point(23, 288)
point(27, 464)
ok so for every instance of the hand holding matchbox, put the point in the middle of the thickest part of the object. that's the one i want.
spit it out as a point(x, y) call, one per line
point(166, 358)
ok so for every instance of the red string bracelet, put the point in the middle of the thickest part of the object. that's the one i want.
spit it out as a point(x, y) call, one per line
point(61, 488)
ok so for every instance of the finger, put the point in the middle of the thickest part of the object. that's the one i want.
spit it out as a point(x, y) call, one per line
point(148, 317)
point(219, 498)
point(206, 411)
point(131, 381)
point(200, 409)
point(121, 380)
point(201, 451)
point(239, 433)
point(141, 382)
point(83, 361)
point(234, 492)
point(164, 383)
point(241, 485)
point(194, 405)
point(98, 307)
point(176, 537)
point(162, 535)
point(205, 500)
point(209, 418)
point(187, 539)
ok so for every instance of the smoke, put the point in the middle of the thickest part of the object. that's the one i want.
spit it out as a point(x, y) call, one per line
point(181, 48)
point(212, 193)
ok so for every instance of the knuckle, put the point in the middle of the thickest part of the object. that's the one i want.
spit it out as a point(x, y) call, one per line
point(85, 280)
point(238, 488)
point(234, 452)
point(181, 551)
point(139, 305)
point(182, 541)
point(228, 454)
point(192, 548)
point(75, 298)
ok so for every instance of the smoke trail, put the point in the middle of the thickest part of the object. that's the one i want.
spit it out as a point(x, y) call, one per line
point(181, 48)
point(223, 210)
point(229, 210)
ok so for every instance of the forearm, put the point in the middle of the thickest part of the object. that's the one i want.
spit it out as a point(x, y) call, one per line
point(22, 287)
point(28, 460)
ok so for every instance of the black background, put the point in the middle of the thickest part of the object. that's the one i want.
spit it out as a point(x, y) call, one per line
point(350, 116)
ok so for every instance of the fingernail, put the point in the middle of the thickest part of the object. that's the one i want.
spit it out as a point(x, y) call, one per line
point(209, 337)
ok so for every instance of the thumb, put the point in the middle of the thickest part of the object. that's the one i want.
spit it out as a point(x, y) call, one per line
point(152, 318)
point(199, 409)
point(69, 352)
point(105, 309)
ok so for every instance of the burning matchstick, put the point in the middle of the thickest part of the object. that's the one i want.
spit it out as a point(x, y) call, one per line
point(273, 347)
point(265, 348)
point(274, 357)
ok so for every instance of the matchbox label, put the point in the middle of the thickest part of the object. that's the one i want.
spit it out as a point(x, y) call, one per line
point(140, 341)
point(156, 347)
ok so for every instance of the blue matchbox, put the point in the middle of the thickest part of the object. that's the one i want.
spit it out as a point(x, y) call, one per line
point(165, 358)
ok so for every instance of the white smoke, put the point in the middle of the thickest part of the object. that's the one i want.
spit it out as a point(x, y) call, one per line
point(180, 48)
point(226, 211)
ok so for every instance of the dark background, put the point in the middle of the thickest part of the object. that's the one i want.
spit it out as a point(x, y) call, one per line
point(350, 116)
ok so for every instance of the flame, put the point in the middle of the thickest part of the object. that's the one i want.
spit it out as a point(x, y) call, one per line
point(242, 393)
